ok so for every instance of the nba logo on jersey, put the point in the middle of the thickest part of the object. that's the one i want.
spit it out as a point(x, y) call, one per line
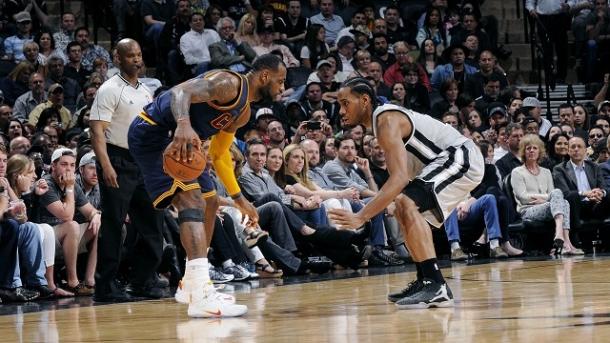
point(222, 121)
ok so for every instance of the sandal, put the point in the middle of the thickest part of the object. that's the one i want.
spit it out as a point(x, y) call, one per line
point(255, 235)
point(81, 289)
point(61, 293)
point(266, 271)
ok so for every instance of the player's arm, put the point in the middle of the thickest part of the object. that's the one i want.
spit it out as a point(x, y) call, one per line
point(221, 158)
point(391, 127)
point(220, 88)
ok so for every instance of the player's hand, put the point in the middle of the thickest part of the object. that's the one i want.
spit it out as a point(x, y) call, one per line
point(110, 176)
point(345, 219)
point(391, 209)
point(185, 140)
point(247, 209)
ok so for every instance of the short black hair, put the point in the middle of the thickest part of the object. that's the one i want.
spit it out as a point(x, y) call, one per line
point(267, 61)
point(196, 13)
point(392, 7)
point(340, 139)
point(491, 78)
point(70, 45)
point(565, 105)
point(380, 35)
point(360, 85)
point(82, 28)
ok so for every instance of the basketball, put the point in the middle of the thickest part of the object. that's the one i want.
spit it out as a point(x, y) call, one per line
point(184, 171)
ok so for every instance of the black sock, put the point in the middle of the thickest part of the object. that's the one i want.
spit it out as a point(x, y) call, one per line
point(430, 270)
point(420, 274)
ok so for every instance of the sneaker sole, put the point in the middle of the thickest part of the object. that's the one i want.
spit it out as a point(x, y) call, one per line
point(183, 298)
point(423, 305)
point(214, 315)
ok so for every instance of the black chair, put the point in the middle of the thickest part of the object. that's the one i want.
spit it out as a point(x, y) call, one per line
point(521, 229)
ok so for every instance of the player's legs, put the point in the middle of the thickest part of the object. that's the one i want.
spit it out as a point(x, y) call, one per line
point(203, 299)
point(416, 231)
point(430, 289)
point(191, 206)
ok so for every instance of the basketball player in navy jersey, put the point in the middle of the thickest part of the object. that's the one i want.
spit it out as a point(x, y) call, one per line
point(214, 104)
point(432, 168)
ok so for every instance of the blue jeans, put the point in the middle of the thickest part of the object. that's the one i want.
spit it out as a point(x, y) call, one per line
point(485, 207)
point(23, 253)
point(376, 236)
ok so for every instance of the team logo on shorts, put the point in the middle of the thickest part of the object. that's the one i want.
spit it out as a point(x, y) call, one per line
point(222, 121)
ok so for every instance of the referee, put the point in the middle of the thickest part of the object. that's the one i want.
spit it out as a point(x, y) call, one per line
point(118, 101)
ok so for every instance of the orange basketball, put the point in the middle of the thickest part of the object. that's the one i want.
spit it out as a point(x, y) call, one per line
point(184, 171)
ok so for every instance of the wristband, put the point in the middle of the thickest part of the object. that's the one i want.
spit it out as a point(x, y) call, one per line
point(70, 190)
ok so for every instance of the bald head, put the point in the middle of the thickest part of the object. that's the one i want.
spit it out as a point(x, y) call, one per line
point(129, 56)
point(19, 145)
point(124, 45)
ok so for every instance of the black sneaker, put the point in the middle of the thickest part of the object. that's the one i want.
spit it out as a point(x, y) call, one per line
point(44, 291)
point(112, 293)
point(18, 294)
point(149, 291)
point(431, 294)
point(381, 257)
point(411, 288)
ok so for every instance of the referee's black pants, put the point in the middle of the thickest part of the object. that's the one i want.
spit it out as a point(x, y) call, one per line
point(130, 198)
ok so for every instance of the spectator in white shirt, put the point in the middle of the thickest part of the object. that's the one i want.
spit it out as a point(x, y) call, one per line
point(194, 44)
point(266, 46)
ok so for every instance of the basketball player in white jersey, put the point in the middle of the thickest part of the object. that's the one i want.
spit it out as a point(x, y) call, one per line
point(432, 168)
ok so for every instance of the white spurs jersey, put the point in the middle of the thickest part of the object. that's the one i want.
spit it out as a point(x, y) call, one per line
point(429, 138)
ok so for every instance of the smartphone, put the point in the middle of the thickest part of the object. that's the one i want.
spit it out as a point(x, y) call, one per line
point(314, 125)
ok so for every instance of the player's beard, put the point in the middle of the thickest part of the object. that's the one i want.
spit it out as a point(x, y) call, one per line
point(265, 93)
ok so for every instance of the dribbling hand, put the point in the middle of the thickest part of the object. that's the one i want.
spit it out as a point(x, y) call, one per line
point(345, 219)
point(185, 140)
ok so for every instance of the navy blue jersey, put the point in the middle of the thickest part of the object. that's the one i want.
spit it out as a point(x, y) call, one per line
point(207, 118)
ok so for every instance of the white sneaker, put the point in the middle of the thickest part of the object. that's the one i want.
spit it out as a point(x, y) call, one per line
point(183, 293)
point(212, 305)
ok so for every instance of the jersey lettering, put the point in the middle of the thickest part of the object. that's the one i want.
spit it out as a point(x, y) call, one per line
point(222, 121)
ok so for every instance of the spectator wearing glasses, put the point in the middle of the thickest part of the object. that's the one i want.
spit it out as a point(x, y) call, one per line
point(596, 134)
point(29, 100)
point(230, 52)
point(55, 101)
point(395, 73)
point(13, 45)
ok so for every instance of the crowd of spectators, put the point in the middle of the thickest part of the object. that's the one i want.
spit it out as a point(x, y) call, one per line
point(294, 159)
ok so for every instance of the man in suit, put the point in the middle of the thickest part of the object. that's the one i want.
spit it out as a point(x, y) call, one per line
point(230, 52)
point(582, 184)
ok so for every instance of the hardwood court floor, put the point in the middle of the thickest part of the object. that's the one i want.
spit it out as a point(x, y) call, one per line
point(566, 300)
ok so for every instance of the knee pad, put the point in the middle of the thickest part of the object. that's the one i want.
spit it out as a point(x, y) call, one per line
point(190, 215)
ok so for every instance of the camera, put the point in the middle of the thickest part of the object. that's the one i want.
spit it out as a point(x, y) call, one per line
point(314, 125)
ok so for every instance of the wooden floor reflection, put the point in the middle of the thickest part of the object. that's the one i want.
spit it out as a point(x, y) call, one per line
point(514, 301)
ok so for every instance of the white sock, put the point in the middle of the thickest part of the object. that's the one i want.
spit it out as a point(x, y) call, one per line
point(493, 243)
point(197, 269)
point(455, 246)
